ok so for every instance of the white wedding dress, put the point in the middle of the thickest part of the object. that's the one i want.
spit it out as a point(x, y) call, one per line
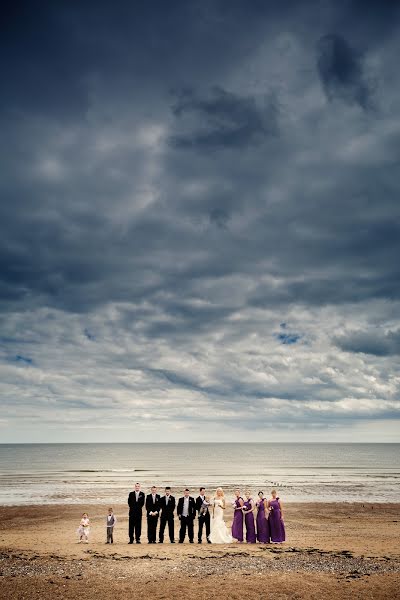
point(219, 531)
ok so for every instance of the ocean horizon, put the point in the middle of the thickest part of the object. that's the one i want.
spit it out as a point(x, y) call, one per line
point(92, 473)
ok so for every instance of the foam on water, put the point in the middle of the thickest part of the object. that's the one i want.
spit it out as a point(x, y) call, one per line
point(92, 473)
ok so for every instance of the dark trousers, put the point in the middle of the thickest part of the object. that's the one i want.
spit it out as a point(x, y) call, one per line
point(110, 538)
point(152, 528)
point(135, 526)
point(204, 521)
point(163, 522)
point(186, 523)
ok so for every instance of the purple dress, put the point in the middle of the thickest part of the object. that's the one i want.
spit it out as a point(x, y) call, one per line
point(262, 524)
point(276, 525)
point(237, 524)
point(250, 525)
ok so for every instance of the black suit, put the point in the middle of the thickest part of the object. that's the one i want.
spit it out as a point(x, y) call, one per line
point(135, 515)
point(203, 519)
point(186, 522)
point(167, 516)
point(152, 505)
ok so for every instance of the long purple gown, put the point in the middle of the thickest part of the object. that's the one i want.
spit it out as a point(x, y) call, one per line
point(237, 523)
point(276, 525)
point(262, 524)
point(250, 525)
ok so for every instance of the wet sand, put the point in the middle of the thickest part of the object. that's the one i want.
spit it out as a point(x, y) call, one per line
point(332, 551)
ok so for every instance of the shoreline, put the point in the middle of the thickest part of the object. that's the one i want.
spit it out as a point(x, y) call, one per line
point(228, 496)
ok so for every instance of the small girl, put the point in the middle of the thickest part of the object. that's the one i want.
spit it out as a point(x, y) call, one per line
point(84, 529)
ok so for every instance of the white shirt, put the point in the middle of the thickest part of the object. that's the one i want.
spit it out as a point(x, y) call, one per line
point(154, 498)
point(137, 495)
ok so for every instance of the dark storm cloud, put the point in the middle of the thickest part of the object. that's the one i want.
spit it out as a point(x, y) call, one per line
point(373, 342)
point(53, 54)
point(41, 66)
point(230, 120)
point(71, 252)
point(176, 182)
point(341, 71)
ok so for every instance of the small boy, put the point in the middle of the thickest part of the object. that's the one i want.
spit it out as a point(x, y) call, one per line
point(111, 521)
point(204, 507)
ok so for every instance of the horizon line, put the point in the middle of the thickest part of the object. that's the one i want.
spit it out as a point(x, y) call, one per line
point(181, 443)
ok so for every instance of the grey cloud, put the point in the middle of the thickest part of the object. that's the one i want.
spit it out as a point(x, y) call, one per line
point(374, 341)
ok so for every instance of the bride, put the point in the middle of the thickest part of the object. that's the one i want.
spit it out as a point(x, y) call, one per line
point(219, 531)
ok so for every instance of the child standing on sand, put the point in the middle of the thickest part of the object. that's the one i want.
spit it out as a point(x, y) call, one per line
point(111, 521)
point(84, 529)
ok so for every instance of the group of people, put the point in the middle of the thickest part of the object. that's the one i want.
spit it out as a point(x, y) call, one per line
point(260, 520)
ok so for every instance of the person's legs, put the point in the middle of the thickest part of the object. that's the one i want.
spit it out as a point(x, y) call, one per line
point(182, 531)
point(171, 529)
point(131, 528)
point(200, 531)
point(152, 529)
point(138, 527)
point(163, 523)
point(207, 521)
point(155, 531)
point(190, 526)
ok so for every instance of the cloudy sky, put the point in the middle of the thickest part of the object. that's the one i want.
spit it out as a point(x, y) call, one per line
point(200, 221)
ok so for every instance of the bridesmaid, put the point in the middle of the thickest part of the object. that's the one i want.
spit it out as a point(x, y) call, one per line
point(276, 524)
point(262, 519)
point(237, 523)
point(248, 510)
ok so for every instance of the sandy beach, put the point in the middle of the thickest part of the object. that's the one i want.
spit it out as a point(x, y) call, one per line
point(332, 551)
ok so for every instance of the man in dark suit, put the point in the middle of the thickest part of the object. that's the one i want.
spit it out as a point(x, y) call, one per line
point(186, 512)
point(204, 519)
point(136, 503)
point(153, 510)
point(167, 508)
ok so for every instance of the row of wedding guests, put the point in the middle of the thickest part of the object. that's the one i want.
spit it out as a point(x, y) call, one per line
point(260, 520)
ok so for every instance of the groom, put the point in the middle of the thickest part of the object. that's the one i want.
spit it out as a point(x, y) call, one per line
point(186, 512)
point(204, 519)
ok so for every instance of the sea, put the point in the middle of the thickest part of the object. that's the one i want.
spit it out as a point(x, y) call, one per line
point(97, 473)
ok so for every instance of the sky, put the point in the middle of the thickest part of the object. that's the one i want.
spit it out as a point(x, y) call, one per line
point(200, 221)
